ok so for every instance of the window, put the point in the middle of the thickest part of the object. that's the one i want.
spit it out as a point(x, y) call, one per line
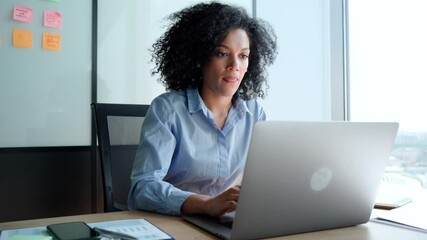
point(387, 59)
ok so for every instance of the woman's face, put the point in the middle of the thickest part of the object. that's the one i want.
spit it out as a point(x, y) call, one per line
point(223, 74)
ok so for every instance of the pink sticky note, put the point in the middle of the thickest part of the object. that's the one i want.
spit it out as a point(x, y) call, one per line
point(52, 19)
point(22, 13)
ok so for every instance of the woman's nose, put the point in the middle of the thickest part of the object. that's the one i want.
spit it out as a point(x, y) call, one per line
point(233, 64)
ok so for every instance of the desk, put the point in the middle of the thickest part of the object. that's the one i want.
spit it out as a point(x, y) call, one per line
point(180, 229)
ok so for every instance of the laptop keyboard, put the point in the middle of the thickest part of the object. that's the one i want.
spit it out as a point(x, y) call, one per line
point(226, 223)
point(227, 220)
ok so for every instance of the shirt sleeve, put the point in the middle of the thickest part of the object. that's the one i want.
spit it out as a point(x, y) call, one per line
point(148, 189)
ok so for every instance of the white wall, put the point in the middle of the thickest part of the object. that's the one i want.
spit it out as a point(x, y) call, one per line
point(126, 32)
point(300, 79)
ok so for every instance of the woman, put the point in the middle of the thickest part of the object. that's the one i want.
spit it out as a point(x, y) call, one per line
point(195, 137)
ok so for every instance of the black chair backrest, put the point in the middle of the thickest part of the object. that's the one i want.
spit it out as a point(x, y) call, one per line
point(118, 129)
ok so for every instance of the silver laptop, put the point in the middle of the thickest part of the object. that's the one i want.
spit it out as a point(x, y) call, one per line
point(306, 176)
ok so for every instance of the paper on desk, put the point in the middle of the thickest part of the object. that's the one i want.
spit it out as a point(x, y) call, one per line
point(139, 228)
point(382, 221)
point(412, 215)
point(37, 233)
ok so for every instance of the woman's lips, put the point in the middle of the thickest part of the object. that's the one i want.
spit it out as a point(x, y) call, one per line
point(231, 79)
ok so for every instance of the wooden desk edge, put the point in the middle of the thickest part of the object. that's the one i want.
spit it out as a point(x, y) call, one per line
point(180, 229)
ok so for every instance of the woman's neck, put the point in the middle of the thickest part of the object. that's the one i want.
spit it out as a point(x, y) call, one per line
point(219, 107)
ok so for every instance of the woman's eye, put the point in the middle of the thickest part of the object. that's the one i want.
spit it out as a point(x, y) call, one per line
point(244, 56)
point(221, 54)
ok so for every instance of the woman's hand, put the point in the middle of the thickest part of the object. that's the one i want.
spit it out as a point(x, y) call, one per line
point(223, 203)
point(213, 206)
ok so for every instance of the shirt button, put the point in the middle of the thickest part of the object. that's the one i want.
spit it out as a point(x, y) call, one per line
point(214, 181)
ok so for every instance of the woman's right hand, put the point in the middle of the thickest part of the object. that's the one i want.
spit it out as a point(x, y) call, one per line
point(213, 206)
point(223, 203)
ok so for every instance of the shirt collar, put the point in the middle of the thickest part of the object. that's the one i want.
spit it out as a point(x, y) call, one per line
point(195, 103)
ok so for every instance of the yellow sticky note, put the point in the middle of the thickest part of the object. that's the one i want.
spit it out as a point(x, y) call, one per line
point(52, 41)
point(22, 38)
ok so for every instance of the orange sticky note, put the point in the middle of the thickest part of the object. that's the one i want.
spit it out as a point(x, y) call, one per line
point(52, 19)
point(22, 13)
point(22, 38)
point(52, 41)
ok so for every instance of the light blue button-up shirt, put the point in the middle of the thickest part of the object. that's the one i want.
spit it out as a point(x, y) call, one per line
point(182, 151)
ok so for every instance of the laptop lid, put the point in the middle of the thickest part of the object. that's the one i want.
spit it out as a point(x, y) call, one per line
point(308, 176)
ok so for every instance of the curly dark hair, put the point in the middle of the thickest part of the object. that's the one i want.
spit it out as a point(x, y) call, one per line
point(194, 34)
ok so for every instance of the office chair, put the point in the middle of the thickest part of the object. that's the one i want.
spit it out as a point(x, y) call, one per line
point(118, 129)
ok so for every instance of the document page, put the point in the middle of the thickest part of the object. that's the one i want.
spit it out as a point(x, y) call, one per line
point(412, 215)
point(138, 228)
